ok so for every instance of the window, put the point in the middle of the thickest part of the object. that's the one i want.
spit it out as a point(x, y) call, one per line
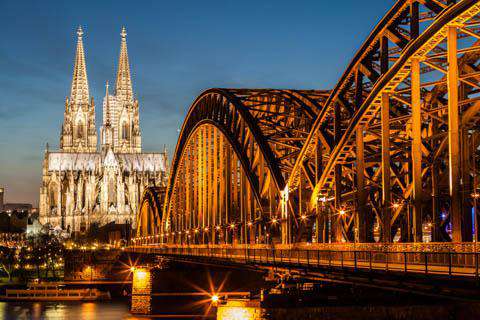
point(80, 132)
point(125, 131)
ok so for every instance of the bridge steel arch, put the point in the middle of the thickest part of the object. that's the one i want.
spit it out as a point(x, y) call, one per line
point(234, 154)
point(390, 154)
point(148, 219)
point(403, 119)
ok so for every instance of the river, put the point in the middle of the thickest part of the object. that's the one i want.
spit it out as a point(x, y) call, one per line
point(119, 310)
point(69, 311)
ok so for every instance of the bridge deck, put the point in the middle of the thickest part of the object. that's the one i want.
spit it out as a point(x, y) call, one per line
point(464, 264)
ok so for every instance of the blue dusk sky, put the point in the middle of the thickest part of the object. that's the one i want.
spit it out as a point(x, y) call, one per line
point(177, 49)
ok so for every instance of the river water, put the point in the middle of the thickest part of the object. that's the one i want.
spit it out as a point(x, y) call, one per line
point(69, 311)
point(119, 310)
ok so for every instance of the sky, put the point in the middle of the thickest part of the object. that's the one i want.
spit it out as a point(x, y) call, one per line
point(177, 49)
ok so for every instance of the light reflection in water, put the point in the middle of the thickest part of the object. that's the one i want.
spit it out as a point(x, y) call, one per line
point(54, 311)
point(239, 310)
point(88, 310)
point(111, 310)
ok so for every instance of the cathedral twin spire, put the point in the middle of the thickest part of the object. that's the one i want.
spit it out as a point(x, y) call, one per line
point(78, 129)
point(79, 93)
point(124, 83)
point(120, 112)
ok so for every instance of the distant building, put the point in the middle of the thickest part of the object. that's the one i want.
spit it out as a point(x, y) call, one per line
point(84, 185)
point(33, 225)
point(19, 207)
point(14, 207)
point(16, 219)
point(2, 195)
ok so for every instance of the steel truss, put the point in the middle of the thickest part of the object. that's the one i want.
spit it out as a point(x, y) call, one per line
point(390, 154)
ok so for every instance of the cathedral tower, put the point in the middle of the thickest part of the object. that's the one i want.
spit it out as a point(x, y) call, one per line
point(120, 111)
point(82, 185)
point(78, 129)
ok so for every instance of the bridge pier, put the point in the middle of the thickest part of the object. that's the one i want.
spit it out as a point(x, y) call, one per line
point(141, 290)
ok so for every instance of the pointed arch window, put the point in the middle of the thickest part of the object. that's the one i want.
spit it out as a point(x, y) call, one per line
point(80, 132)
point(125, 131)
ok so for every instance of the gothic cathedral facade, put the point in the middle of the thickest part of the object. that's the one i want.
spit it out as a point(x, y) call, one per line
point(85, 184)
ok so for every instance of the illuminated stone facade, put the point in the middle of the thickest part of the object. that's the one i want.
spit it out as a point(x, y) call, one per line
point(83, 184)
point(141, 290)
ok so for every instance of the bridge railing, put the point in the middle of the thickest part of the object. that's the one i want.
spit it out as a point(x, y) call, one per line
point(445, 263)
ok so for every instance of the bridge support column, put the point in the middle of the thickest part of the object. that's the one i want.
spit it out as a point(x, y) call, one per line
point(320, 224)
point(416, 151)
point(141, 290)
point(360, 219)
point(386, 195)
point(286, 221)
point(337, 219)
point(453, 135)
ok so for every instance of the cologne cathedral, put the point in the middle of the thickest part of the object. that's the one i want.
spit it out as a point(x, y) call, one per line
point(85, 184)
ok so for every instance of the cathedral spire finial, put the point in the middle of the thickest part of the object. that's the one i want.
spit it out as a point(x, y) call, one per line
point(79, 93)
point(123, 87)
point(107, 107)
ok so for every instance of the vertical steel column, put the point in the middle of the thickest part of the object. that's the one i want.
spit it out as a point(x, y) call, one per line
point(205, 180)
point(320, 219)
point(416, 132)
point(228, 189)
point(199, 182)
point(386, 195)
point(222, 182)
point(453, 135)
point(215, 210)
point(384, 63)
point(188, 205)
point(337, 220)
point(414, 20)
point(416, 151)
point(361, 194)
point(285, 220)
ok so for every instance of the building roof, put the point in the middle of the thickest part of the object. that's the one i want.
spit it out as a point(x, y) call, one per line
point(67, 161)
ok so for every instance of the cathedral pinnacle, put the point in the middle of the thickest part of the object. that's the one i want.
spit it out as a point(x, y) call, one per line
point(107, 120)
point(123, 88)
point(79, 92)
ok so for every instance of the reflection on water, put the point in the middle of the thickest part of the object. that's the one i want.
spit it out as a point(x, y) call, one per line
point(65, 310)
point(247, 310)
point(238, 310)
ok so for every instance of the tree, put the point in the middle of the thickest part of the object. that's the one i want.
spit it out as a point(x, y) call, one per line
point(7, 261)
point(44, 251)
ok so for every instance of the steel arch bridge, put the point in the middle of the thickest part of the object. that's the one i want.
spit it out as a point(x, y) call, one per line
point(390, 154)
